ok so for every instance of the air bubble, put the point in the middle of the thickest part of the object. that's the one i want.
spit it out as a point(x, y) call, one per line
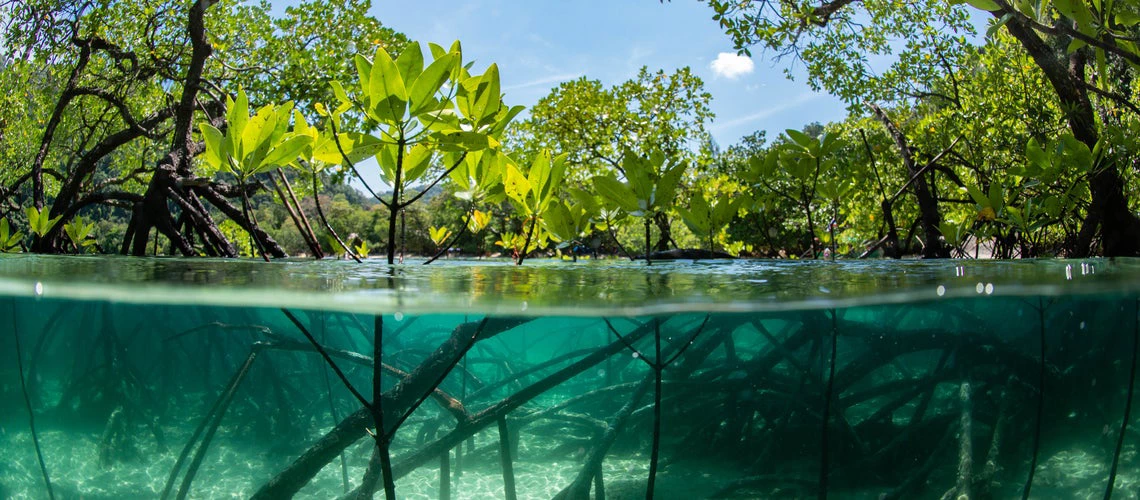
point(989, 288)
point(39, 289)
point(941, 290)
point(399, 316)
point(980, 287)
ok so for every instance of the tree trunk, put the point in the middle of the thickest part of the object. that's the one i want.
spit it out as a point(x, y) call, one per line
point(927, 204)
point(666, 237)
point(1108, 213)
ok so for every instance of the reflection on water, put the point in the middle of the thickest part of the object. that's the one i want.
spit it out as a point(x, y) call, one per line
point(551, 286)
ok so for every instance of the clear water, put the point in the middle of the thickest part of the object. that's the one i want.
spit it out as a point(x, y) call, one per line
point(930, 376)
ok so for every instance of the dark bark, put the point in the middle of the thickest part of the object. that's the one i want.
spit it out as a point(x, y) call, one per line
point(65, 203)
point(298, 215)
point(85, 49)
point(395, 207)
point(396, 402)
point(927, 204)
point(154, 211)
point(665, 239)
point(1109, 213)
point(235, 214)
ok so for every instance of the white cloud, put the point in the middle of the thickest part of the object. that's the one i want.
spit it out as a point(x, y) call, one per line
point(731, 65)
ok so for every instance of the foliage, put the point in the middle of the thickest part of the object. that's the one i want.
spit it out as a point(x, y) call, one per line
point(422, 114)
point(533, 194)
point(705, 219)
point(81, 233)
point(39, 221)
point(253, 145)
point(9, 240)
point(595, 126)
point(650, 187)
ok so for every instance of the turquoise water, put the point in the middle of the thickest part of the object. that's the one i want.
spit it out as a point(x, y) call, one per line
point(777, 379)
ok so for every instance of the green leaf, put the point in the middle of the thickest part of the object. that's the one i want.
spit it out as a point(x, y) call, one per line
point(363, 72)
point(39, 221)
point(386, 88)
point(236, 118)
point(1127, 18)
point(216, 153)
point(416, 161)
point(9, 241)
point(667, 185)
point(478, 221)
point(996, 199)
point(698, 217)
point(978, 196)
point(436, 50)
point(255, 140)
point(356, 145)
point(997, 25)
point(429, 82)
point(1037, 156)
point(464, 141)
point(285, 153)
point(517, 187)
point(439, 235)
point(725, 210)
point(488, 99)
point(410, 62)
point(803, 140)
point(987, 5)
point(338, 91)
point(1075, 45)
point(558, 222)
point(504, 118)
point(612, 189)
point(637, 176)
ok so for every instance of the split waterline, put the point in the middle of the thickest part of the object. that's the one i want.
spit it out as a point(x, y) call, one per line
point(750, 379)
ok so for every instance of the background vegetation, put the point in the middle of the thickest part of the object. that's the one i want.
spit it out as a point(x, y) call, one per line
point(210, 128)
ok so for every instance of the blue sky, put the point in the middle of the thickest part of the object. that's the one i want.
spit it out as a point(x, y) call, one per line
point(539, 43)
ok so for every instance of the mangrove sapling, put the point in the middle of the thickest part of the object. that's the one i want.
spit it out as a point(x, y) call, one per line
point(28, 403)
point(404, 395)
point(1040, 308)
point(579, 489)
point(650, 187)
point(658, 365)
point(505, 459)
point(827, 397)
point(418, 122)
point(209, 424)
point(251, 146)
point(1127, 402)
point(533, 194)
point(293, 207)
